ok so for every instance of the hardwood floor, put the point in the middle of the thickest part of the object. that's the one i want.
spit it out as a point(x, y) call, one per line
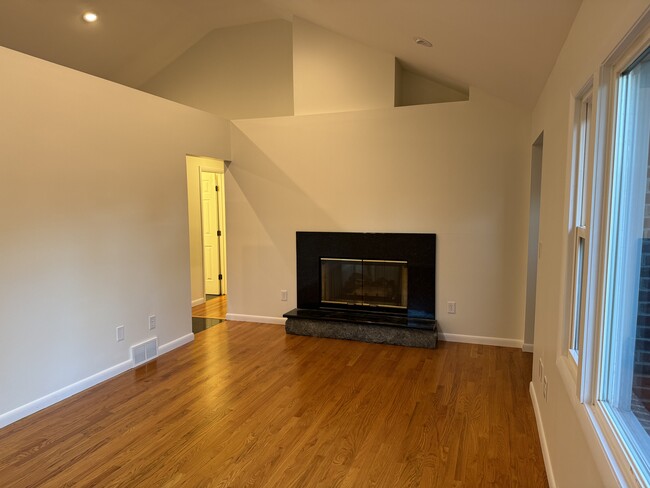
point(246, 406)
point(212, 309)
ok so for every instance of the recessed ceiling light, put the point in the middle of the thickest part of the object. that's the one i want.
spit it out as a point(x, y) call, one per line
point(421, 41)
point(90, 17)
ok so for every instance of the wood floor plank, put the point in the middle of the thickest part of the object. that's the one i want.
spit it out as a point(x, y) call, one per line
point(215, 308)
point(244, 405)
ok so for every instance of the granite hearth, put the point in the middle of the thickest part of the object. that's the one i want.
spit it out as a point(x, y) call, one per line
point(365, 327)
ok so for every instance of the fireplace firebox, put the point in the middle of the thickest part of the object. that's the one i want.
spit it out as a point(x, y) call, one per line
point(371, 283)
point(363, 286)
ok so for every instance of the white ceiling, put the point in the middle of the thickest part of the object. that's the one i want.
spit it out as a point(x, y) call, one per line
point(505, 47)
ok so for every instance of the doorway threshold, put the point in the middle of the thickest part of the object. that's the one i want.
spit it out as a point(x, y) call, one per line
point(199, 324)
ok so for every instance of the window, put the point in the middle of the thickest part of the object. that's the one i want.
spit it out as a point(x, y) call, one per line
point(623, 378)
point(607, 341)
point(580, 229)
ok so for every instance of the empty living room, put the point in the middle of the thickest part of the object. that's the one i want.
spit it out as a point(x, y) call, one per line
point(301, 244)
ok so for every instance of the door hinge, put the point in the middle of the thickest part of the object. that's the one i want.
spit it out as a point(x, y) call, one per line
point(216, 188)
point(221, 277)
point(218, 233)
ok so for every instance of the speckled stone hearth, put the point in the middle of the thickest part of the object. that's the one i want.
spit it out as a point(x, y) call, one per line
point(399, 331)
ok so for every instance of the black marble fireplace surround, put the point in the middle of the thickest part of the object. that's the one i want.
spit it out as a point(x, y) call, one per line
point(414, 325)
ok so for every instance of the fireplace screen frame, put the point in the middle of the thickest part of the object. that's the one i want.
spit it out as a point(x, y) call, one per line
point(377, 284)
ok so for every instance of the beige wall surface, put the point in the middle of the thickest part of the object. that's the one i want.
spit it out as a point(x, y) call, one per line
point(332, 73)
point(234, 72)
point(575, 454)
point(416, 90)
point(93, 205)
point(459, 170)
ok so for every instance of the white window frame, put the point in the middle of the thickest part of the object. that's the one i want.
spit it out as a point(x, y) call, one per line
point(594, 357)
point(582, 185)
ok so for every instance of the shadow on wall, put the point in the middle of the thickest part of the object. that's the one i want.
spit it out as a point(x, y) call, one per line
point(265, 209)
point(272, 196)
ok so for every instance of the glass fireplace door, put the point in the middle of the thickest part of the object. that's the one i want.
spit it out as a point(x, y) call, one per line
point(364, 283)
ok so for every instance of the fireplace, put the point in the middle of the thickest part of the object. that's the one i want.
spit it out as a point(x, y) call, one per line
point(365, 286)
point(364, 283)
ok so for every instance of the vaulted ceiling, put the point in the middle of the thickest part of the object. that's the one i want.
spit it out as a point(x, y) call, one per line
point(505, 47)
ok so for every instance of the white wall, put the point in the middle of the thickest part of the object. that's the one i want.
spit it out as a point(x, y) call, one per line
point(459, 170)
point(575, 456)
point(93, 207)
point(194, 166)
point(332, 73)
point(415, 89)
point(234, 72)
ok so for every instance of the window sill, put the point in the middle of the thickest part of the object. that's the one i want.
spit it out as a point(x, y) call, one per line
point(604, 458)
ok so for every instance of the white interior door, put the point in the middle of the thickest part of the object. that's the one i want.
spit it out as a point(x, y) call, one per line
point(211, 234)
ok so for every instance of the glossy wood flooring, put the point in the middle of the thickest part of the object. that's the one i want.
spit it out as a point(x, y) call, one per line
point(246, 406)
point(215, 308)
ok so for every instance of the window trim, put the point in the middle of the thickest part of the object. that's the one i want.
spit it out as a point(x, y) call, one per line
point(582, 184)
point(583, 157)
point(581, 378)
point(635, 43)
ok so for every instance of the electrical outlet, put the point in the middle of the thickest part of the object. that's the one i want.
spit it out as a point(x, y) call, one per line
point(152, 322)
point(540, 370)
point(451, 307)
point(284, 295)
point(119, 333)
point(545, 388)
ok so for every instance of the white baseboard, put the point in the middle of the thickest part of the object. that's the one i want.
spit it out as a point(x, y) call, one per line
point(198, 301)
point(528, 347)
point(170, 346)
point(65, 392)
point(542, 438)
point(488, 341)
point(256, 318)
point(81, 385)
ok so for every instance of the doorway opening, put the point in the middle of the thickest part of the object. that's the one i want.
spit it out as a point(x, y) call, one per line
point(207, 228)
point(213, 275)
point(533, 241)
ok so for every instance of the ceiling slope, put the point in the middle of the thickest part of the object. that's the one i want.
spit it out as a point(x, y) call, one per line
point(505, 47)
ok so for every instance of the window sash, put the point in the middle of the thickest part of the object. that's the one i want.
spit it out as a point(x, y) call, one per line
point(581, 213)
point(624, 204)
point(579, 295)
